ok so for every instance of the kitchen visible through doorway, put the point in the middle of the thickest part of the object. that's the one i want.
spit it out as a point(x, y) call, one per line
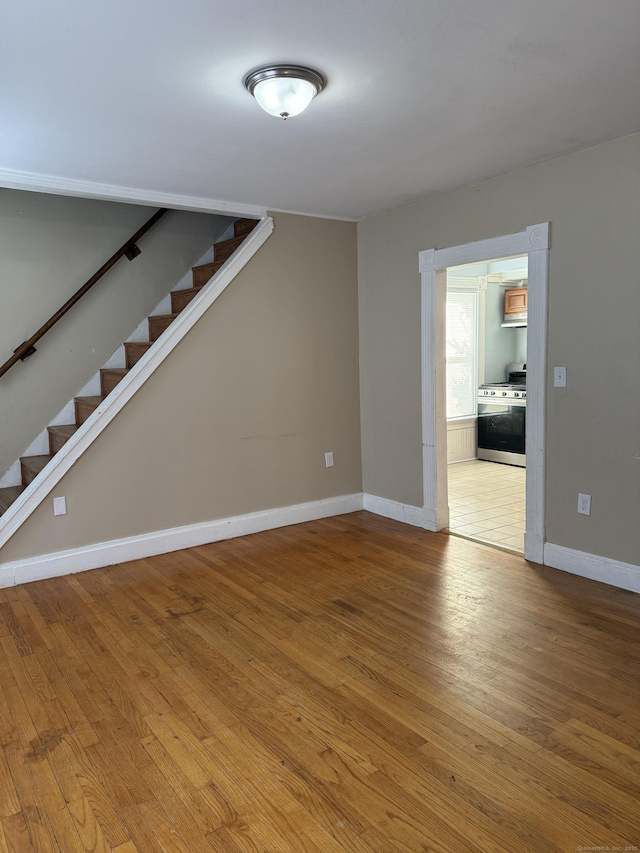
point(485, 360)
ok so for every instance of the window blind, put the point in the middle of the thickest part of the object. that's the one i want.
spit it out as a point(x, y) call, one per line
point(462, 353)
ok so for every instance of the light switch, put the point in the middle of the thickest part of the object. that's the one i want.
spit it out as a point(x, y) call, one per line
point(559, 377)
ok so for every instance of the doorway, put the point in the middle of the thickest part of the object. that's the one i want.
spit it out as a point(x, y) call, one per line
point(486, 355)
point(533, 242)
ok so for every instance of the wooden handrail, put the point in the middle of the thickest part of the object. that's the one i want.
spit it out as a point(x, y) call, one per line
point(128, 250)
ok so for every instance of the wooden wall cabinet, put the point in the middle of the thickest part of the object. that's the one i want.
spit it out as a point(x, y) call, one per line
point(515, 300)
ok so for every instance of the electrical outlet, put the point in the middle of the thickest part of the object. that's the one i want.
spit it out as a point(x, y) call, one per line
point(559, 377)
point(59, 506)
point(328, 459)
point(584, 504)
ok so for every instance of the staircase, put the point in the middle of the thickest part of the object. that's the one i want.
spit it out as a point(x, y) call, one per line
point(31, 466)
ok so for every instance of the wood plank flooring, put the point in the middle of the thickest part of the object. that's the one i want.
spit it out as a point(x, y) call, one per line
point(350, 684)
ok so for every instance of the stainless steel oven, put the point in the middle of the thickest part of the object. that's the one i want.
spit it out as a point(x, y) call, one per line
point(502, 411)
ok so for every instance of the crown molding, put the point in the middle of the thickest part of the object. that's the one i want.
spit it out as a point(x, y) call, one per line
point(32, 182)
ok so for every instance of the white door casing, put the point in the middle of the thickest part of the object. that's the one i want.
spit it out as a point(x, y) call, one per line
point(433, 264)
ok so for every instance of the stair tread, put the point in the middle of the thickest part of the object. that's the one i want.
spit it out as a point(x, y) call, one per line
point(36, 463)
point(181, 298)
point(119, 370)
point(137, 344)
point(239, 238)
point(163, 316)
point(245, 226)
point(64, 429)
point(208, 264)
point(93, 401)
point(8, 495)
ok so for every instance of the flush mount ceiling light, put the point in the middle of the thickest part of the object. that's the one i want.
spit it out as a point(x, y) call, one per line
point(284, 90)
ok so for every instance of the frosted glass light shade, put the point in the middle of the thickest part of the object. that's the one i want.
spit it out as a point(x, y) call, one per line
point(284, 96)
point(284, 90)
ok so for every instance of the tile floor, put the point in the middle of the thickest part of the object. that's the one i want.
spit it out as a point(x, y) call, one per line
point(486, 502)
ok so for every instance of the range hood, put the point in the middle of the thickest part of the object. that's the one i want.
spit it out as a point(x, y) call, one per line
point(515, 305)
point(515, 321)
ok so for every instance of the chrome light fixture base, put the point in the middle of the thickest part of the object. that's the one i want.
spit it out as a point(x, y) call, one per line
point(284, 90)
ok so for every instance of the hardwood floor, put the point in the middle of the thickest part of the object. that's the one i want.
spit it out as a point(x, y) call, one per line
point(350, 684)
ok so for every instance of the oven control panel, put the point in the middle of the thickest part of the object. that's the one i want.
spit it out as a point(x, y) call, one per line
point(490, 392)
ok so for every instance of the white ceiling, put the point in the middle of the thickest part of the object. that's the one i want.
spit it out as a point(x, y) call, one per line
point(422, 96)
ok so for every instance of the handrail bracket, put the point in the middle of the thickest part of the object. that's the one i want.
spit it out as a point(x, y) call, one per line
point(132, 252)
point(27, 353)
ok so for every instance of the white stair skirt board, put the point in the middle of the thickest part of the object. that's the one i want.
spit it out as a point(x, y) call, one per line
point(71, 451)
point(164, 541)
point(603, 569)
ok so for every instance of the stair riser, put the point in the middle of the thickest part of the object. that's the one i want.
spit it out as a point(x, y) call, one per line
point(8, 495)
point(157, 325)
point(59, 436)
point(202, 274)
point(83, 411)
point(223, 250)
point(28, 475)
point(31, 466)
point(242, 227)
point(133, 353)
point(180, 299)
point(56, 442)
point(108, 381)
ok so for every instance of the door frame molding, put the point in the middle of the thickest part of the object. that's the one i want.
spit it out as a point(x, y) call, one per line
point(534, 241)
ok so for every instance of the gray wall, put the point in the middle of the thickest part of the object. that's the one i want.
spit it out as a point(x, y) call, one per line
point(49, 246)
point(237, 419)
point(593, 441)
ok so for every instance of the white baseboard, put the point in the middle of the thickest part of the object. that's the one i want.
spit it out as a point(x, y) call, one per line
point(533, 548)
point(392, 509)
point(430, 520)
point(603, 569)
point(163, 541)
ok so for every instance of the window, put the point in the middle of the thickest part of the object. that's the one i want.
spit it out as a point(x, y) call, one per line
point(462, 353)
